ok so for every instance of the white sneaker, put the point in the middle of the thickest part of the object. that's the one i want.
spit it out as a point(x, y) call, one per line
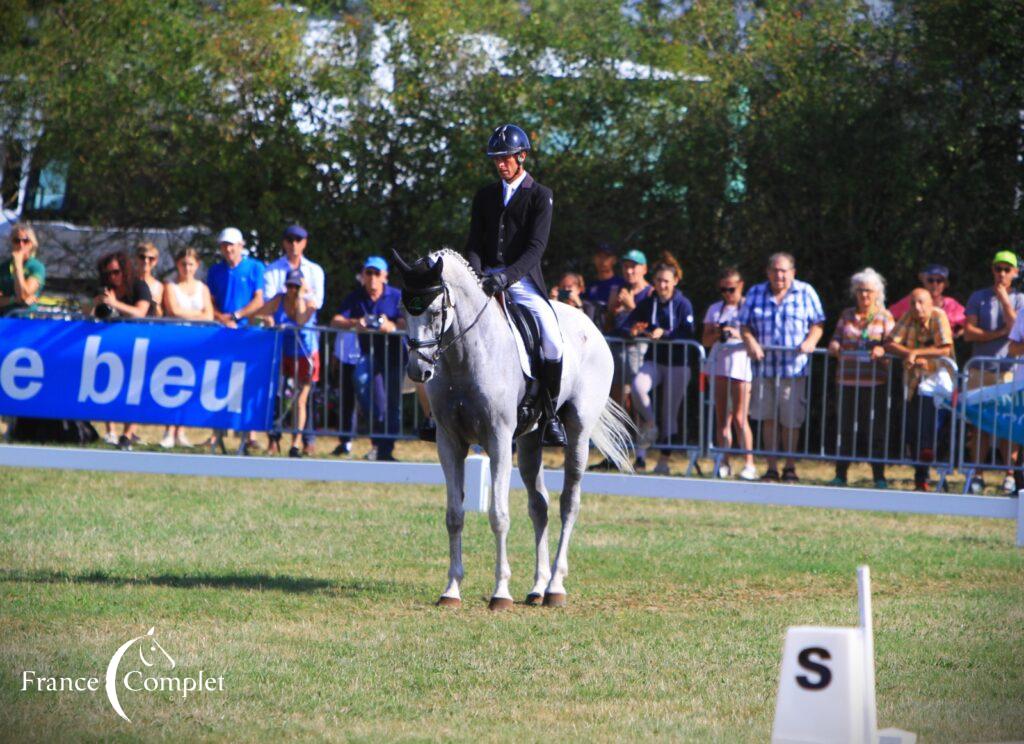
point(661, 468)
point(110, 438)
point(182, 440)
point(167, 442)
point(724, 472)
point(749, 473)
point(1009, 484)
point(977, 485)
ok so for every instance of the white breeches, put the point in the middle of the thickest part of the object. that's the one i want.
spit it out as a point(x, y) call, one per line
point(525, 293)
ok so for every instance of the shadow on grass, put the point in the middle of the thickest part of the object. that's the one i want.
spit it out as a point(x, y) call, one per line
point(257, 582)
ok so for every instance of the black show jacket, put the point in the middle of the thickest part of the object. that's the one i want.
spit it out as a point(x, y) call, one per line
point(511, 237)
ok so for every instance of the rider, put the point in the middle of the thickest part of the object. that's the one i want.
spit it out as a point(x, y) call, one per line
point(508, 234)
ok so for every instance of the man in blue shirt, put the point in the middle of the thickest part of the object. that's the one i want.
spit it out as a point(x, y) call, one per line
point(785, 315)
point(373, 310)
point(236, 288)
point(236, 283)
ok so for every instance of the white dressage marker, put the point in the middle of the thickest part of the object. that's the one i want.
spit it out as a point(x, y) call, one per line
point(827, 684)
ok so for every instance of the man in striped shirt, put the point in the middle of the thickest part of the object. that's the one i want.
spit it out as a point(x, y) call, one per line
point(785, 316)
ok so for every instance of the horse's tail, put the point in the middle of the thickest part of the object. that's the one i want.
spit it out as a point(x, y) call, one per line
point(613, 436)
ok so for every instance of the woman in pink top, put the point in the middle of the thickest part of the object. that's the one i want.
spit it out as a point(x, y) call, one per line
point(935, 278)
point(861, 376)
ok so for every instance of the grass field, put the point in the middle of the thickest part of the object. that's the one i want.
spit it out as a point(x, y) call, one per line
point(315, 602)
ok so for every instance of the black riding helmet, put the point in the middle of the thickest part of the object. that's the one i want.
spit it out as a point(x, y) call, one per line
point(508, 139)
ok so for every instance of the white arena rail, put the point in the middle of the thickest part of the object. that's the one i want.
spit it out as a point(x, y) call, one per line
point(478, 481)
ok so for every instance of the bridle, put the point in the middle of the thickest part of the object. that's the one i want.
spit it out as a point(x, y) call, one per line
point(437, 343)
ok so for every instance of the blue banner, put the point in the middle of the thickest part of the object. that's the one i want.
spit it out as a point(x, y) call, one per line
point(156, 373)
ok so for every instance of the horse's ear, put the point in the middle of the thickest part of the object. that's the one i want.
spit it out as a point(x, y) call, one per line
point(403, 267)
point(438, 267)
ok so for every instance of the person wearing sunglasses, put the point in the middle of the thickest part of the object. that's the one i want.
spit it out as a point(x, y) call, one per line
point(122, 294)
point(935, 278)
point(22, 275)
point(373, 310)
point(990, 315)
point(147, 256)
point(731, 371)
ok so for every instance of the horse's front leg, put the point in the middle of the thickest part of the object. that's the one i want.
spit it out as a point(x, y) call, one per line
point(500, 451)
point(453, 462)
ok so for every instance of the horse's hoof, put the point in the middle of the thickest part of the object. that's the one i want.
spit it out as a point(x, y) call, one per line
point(499, 604)
point(554, 600)
point(449, 602)
point(534, 600)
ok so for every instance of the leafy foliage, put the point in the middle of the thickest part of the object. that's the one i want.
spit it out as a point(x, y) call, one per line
point(845, 132)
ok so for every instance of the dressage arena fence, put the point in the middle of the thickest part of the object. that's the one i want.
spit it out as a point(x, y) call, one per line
point(839, 408)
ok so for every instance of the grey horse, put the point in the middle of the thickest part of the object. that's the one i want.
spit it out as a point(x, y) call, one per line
point(462, 348)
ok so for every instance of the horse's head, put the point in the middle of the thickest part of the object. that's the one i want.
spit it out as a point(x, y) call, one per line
point(148, 646)
point(428, 312)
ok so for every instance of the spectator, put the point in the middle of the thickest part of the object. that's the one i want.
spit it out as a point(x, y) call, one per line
point(571, 291)
point(374, 308)
point(665, 315)
point(920, 337)
point(236, 288)
point(125, 295)
point(630, 356)
point(608, 282)
point(861, 376)
point(147, 255)
point(785, 315)
point(935, 278)
point(990, 315)
point(22, 275)
point(731, 370)
point(188, 299)
point(293, 258)
point(293, 309)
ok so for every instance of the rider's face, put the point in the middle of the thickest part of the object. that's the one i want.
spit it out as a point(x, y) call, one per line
point(508, 165)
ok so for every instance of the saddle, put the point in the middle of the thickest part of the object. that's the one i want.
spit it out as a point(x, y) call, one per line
point(523, 324)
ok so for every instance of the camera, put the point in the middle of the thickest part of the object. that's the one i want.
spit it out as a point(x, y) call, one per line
point(725, 333)
point(564, 295)
point(375, 321)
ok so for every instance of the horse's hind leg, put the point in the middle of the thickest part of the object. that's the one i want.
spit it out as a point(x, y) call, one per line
point(531, 469)
point(453, 461)
point(576, 453)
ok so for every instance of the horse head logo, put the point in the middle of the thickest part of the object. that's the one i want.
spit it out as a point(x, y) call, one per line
point(149, 648)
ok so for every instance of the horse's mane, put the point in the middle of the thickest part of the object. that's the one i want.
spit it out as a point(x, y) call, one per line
point(449, 254)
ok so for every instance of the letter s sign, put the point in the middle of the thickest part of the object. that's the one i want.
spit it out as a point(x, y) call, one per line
point(806, 662)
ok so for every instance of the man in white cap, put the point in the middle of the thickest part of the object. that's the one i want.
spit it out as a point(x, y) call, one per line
point(236, 287)
point(236, 282)
point(293, 258)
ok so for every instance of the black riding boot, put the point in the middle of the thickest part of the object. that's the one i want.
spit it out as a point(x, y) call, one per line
point(553, 433)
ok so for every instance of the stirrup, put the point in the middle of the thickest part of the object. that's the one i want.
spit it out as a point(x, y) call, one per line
point(554, 433)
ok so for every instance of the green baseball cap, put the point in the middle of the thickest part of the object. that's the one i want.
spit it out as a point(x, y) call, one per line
point(1006, 257)
point(635, 256)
